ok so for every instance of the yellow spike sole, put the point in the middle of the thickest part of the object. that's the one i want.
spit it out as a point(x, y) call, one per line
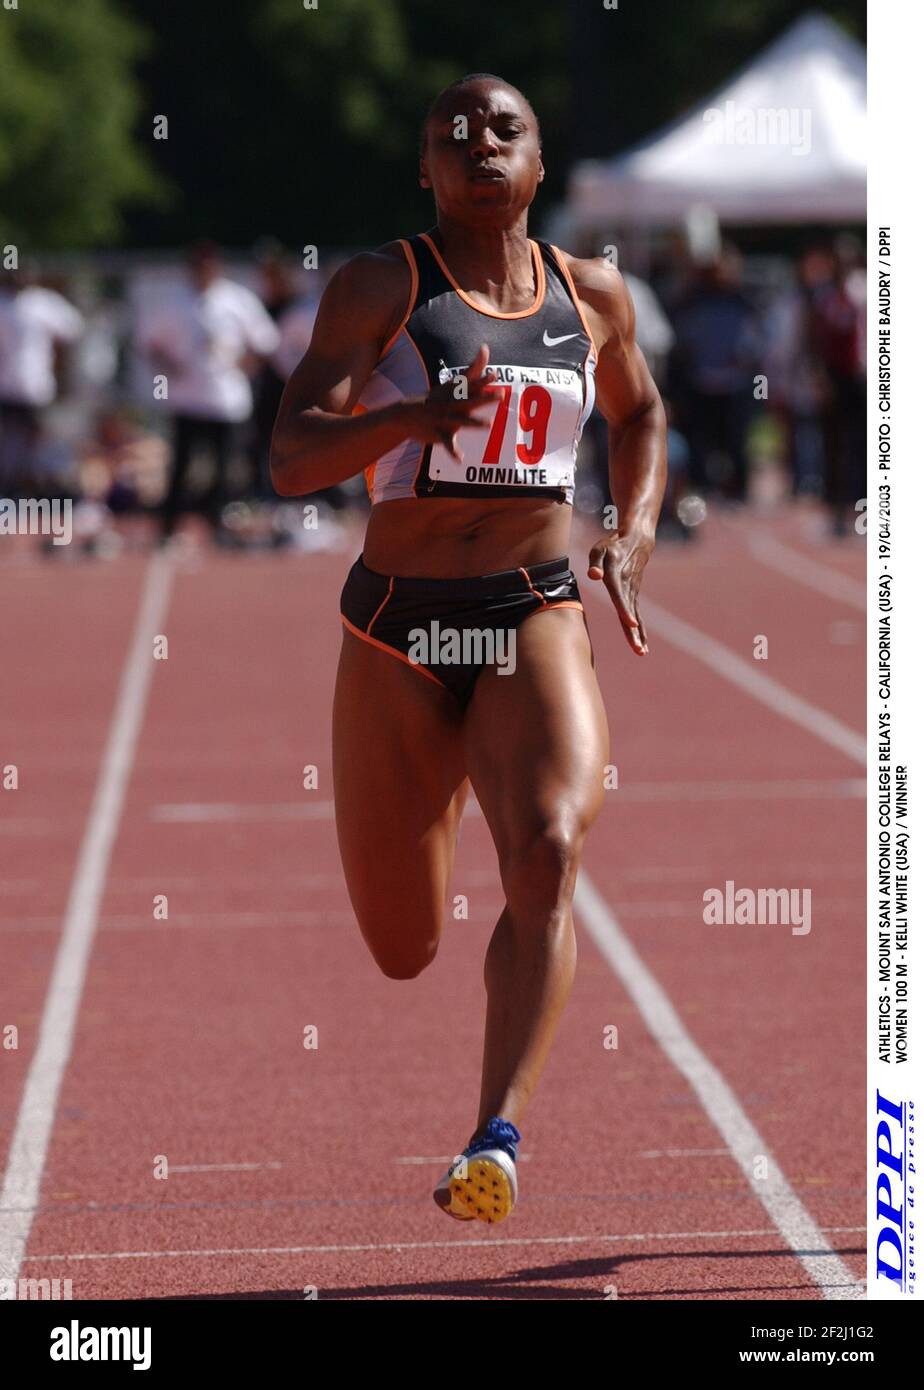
point(484, 1191)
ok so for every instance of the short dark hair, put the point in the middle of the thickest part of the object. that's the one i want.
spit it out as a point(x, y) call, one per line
point(463, 82)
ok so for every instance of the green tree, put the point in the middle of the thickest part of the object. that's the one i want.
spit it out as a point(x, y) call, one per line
point(304, 123)
point(68, 104)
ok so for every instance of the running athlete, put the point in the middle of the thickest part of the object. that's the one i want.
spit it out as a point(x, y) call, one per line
point(457, 369)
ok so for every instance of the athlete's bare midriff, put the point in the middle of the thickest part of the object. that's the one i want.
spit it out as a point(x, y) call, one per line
point(458, 538)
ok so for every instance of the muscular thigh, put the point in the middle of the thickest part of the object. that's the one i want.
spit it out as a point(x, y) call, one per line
point(537, 740)
point(399, 790)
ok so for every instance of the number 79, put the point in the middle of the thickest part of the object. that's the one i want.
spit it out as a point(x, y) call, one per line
point(533, 415)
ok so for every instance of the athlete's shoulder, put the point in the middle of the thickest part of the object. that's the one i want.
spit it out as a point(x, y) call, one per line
point(370, 288)
point(374, 272)
point(601, 288)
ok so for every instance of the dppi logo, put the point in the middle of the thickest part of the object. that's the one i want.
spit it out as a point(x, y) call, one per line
point(894, 1192)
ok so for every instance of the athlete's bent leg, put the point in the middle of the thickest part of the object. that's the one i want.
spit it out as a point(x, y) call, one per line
point(537, 745)
point(399, 791)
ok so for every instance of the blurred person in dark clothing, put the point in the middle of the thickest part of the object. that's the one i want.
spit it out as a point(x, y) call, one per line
point(798, 387)
point(713, 366)
point(207, 340)
point(838, 333)
point(279, 294)
point(35, 324)
point(293, 311)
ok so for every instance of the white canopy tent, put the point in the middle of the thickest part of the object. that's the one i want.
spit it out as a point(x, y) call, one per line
point(783, 142)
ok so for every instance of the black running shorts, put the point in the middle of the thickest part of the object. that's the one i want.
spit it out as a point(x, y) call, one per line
point(448, 630)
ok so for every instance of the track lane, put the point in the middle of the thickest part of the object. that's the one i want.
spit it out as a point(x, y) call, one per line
point(197, 1063)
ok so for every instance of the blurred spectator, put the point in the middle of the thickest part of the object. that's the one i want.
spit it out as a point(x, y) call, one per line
point(671, 524)
point(715, 359)
point(293, 313)
point(124, 465)
point(838, 330)
point(653, 331)
point(206, 341)
point(851, 258)
point(797, 382)
point(655, 337)
point(35, 324)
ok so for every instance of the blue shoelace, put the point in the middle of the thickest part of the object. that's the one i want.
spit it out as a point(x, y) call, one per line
point(497, 1134)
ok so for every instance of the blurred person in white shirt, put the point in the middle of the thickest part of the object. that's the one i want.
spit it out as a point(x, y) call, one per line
point(293, 311)
point(35, 323)
point(206, 341)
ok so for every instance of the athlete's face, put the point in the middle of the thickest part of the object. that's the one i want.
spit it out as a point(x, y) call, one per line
point(482, 156)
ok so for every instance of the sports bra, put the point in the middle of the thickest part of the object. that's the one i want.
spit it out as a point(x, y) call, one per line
point(543, 359)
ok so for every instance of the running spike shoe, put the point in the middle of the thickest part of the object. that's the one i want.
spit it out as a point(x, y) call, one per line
point(481, 1184)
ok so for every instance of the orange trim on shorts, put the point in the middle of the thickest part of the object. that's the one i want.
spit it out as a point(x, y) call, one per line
point(545, 602)
point(384, 647)
point(574, 294)
point(534, 592)
point(391, 590)
point(538, 265)
point(562, 603)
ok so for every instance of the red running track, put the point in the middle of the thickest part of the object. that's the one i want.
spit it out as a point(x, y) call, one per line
point(717, 1153)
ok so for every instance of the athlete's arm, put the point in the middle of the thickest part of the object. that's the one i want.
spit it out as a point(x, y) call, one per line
point(317, 441)
point(629, 402)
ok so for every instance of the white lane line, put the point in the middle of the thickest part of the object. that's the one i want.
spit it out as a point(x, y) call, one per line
point(209, 921)
point(680, 1153)
point(820, 868)
point(448, 1158)
point(187, 922)
point(220, 812)
point(720, 1103)
point(485, 1242)
point(802, 788)
point(206, 812)
point(741, 673)
point(795, 565)
point(190, 812)
point(444, 1158)
point(35, 1121)
point(221, 1167)
point(691, 908)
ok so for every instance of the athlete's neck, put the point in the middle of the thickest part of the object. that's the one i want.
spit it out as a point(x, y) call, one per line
point(488, 260)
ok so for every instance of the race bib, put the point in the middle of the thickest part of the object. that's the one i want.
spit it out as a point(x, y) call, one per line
point(529, 439)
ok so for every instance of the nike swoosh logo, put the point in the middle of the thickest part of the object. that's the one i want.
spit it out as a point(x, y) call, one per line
point(554, 593)
point(553, 342)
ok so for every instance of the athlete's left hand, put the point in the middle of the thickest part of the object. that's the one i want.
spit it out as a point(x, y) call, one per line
point(620, 560)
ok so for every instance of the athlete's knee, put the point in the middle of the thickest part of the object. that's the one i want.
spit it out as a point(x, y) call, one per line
point(404, 967)
point(400, 960)
point(538, 871)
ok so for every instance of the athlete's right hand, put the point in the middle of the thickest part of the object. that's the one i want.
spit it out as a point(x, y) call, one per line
point(438, 417)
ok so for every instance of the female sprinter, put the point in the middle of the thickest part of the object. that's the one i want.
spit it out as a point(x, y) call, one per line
point(470, 471)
